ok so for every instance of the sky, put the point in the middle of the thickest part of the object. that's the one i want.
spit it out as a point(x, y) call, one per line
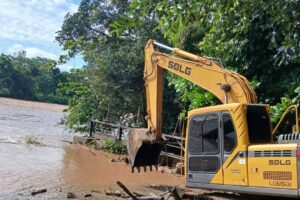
point(31, 25)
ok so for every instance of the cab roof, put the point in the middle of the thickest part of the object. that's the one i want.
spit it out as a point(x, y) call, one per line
point(222, 107)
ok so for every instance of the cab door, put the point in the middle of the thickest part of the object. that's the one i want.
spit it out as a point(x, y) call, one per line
point(234, 155)
point(204, 156)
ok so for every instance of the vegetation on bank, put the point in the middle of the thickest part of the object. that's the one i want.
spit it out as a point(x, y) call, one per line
point(114, 146)
point(33, 140)
point(258, 39)
point(37, 79)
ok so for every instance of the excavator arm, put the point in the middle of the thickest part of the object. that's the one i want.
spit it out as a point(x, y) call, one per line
point(144, 145)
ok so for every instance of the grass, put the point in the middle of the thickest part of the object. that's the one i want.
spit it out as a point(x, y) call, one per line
point(33, 140)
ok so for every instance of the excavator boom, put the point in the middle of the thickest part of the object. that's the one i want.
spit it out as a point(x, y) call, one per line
point(144, 145)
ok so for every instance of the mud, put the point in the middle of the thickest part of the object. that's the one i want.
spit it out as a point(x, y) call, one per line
point(90, 168)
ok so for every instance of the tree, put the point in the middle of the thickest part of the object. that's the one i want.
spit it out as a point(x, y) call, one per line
point(115, 63)
point(259, 39)
point(30, 78)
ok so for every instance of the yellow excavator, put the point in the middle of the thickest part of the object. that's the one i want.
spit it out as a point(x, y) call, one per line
point(228, 147)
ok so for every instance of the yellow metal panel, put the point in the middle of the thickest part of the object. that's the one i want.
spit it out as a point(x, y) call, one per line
point(235, 168)
point(154, 90)
point(224, 107)
point(283, 175)
point(209, 78)
point(261, 147)
point(274, 172)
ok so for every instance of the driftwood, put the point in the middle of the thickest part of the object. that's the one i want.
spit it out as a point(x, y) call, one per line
point(175, 194)
point(125, 189)
point(38, 191)
point(151, 197)
point(133, 195)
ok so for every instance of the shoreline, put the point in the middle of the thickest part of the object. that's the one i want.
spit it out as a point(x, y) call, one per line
point(33, 104)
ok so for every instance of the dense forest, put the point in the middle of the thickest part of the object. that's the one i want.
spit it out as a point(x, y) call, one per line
point(36, 79)
point(258, 39)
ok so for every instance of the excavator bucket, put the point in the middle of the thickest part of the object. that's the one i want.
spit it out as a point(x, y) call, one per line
point(143, 149)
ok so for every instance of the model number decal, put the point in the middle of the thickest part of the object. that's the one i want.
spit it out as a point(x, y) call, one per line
point(279, 162)
point(178, 67)
point(280, 183)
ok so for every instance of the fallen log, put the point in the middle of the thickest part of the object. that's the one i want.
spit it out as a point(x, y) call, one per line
point(175, 194)
point(34, 192)
point(125, 189)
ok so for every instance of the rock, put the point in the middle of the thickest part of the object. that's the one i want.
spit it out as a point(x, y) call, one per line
point(111, 192)
point(34, 192)
point(119, 159)
point(84, 140)
point(95, 191)
point(168, 170)
point(161, 169)
point(87, 195)
point(71, 195)
point(98, 144)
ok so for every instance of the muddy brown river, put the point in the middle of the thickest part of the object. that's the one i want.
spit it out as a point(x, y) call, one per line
point(55, 165)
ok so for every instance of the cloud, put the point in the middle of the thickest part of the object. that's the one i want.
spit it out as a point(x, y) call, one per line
point(32, 52)
point(33, 20)
point(31, 25)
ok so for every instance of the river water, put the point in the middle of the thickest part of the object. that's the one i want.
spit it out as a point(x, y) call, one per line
point(25, 167)
point(55, 164)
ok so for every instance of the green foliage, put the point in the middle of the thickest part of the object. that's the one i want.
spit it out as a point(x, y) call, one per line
point(278, 109)
point(259, 39)
point(114, 146)
point(31, 78)
point(112, 82)
point(80, 102)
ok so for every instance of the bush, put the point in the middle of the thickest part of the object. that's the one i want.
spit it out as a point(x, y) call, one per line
point(114, 146)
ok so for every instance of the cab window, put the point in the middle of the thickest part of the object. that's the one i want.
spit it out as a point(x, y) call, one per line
point(229, 136)
point(203, 134)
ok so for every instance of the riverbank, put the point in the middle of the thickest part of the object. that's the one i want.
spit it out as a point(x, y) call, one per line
point(56, 166)
point(33, 104)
